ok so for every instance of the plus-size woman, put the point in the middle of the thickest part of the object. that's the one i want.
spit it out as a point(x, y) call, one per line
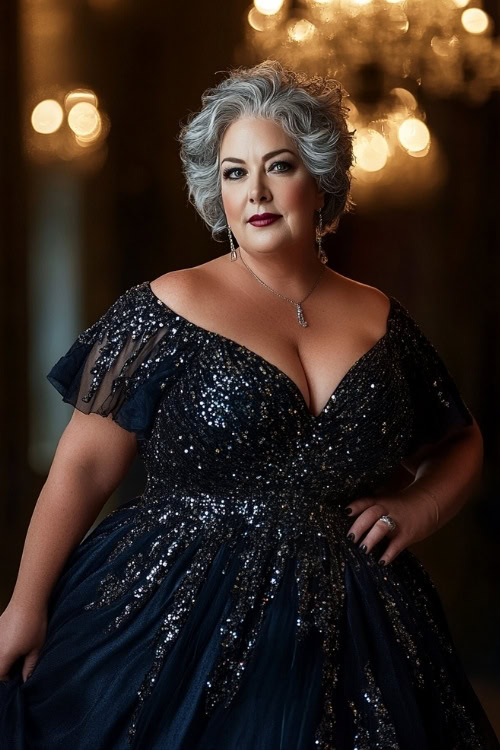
point(234, 603)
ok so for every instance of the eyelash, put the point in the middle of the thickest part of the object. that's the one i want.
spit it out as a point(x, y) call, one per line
point(230, 170)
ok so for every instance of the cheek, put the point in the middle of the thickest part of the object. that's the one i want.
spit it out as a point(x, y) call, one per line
point(230, 201)
point(297, 194)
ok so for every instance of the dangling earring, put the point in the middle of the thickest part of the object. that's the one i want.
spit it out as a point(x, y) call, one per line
point(233, 250)
point(321, 253)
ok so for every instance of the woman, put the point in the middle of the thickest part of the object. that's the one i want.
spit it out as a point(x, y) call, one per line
point(233, 604)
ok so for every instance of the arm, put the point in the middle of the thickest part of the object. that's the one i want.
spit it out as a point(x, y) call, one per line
point(449, 472)
point(445, 474)
point(92, 456)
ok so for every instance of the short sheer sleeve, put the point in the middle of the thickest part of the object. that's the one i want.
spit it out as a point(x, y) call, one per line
point(436, 401)
point(123, 363)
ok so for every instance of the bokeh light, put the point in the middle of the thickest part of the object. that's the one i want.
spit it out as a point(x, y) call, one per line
point(414, 134)
point(84, 120)
point(301, 30)
point(475, 20)
point(268, 7)
point(47, 116)
point(370, 149)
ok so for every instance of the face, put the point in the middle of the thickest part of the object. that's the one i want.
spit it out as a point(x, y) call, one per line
point(261, 172)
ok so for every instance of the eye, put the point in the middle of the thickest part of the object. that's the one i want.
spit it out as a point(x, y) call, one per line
point(283, 163)
point(227, 172)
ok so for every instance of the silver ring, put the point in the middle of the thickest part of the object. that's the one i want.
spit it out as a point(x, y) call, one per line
point(389, 521)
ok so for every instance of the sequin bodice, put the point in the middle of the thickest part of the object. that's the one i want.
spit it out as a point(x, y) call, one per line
point(244, 432)
point(234, 457)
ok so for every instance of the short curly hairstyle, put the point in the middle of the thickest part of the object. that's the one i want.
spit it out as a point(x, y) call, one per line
point(310, 111)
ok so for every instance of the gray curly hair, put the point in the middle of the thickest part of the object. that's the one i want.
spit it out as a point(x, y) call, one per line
point(310, 111)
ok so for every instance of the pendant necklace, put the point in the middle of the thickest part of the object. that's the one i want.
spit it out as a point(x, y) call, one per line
point(300, 313)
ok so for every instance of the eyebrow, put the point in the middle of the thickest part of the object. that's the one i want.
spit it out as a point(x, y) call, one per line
point(264, 158)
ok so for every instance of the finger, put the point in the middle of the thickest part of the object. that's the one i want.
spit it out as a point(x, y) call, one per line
point(366, 520)
point(378, 531)
point(393, 550)
point(358, 506)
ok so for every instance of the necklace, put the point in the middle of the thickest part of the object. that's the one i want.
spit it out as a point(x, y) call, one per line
point(300, 314)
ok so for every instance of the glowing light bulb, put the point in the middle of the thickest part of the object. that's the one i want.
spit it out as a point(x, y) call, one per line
point(268, 7)
point(413, 134)
point(255, 20)
point(405, 97)
point(444, 47)
point(461, 3)
point(79, 95)
point(370, 149)
point(84, 120)
point(301, 31)
point(47, 116)
point(475, 20)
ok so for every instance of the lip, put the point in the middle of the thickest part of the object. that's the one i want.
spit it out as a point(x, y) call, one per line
point(262, 220)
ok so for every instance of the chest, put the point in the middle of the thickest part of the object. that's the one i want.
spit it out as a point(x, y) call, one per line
point(233, 416)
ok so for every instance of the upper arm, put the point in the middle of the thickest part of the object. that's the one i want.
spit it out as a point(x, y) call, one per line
point(180, 289)
point(99, 446)
point(412, 462)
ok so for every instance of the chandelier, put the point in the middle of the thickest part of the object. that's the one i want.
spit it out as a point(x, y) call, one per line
point(388, 55)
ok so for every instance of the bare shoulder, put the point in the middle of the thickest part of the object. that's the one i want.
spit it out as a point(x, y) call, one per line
point(179, 288)
point(366, 303)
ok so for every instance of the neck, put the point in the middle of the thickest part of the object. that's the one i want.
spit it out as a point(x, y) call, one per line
point(291, 275)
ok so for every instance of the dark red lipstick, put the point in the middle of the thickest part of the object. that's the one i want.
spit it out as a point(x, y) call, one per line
point(262, 220)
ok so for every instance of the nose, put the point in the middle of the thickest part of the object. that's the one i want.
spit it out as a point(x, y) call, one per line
point(258, 190)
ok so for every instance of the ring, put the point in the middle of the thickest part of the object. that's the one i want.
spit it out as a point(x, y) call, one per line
point(389, 521)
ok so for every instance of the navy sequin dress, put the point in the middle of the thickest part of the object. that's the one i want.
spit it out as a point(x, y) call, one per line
point(224, 608)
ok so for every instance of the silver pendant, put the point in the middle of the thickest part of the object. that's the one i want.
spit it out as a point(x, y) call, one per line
point(300, 315)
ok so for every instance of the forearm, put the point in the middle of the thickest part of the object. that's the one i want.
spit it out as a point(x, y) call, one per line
point(450, 474)
point(65, 510)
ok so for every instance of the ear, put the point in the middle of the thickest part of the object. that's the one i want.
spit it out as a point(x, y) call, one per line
point(320, 201)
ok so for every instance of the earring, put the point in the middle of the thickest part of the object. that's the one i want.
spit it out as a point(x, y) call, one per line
point(234, 256)
point(321, 253)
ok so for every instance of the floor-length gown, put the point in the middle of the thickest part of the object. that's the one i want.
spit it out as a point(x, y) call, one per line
point(224, 608)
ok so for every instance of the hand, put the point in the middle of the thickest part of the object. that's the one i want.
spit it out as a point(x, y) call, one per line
point(413, 511)
point(22, 633)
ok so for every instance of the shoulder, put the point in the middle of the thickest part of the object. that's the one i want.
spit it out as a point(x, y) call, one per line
point(186, 288)
point(365, 303)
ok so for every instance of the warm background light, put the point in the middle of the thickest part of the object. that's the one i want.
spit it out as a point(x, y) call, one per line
point(414, 134)
point(47, 116)
point(268, 7)
point(475, 20)
point(405, 97)
point(256, 20)
point(80, 95)
point(301, 31)
point(370, 149)
point(84, 120)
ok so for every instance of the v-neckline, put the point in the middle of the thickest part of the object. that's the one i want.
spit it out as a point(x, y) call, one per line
point(278, 370)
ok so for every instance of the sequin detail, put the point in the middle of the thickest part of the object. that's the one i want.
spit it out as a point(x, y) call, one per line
point(374, 728)
point(236, 463)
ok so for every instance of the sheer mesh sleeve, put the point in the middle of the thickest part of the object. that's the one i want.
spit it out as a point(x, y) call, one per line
point(122, 364)
point(437, 403)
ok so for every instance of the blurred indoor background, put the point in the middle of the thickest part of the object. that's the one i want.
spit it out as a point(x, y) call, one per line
point(92, 96)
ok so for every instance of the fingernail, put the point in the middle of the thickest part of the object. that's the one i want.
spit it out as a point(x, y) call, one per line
point(351, 536)
point(347, 511)
point(381, 562)
point(363, 548)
